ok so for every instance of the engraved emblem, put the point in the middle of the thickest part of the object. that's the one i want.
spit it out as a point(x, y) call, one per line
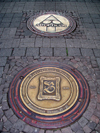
point(51, 23)
point(49, 88)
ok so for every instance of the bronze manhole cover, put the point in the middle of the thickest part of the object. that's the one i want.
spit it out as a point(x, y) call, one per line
point(49, 95)
point(51, 24)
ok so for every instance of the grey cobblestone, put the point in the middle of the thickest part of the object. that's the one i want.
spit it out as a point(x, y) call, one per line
point(46, 42)
point(19, 52)
point(9, 113)
point(5, 52)
point(13, 119)
point(87, 52)
point(1, 125)
point(97, 52)
point(59, 51)
point(1, 71)
point(8, 125)
point(38, 42)
point(74, 52)
point(32, 52)
point(83, 121)
point(45, 51)
point(19, 125)
point(98, 61)
point(58, 42)
point(3, 61)
point(28, 129)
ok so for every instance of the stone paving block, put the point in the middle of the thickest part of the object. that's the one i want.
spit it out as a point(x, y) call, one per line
point(97, 52)
point(75, 127)
point(46, 42)
point(91, 125)
point(87, 52)
point(8, 15)
point(58, 42)
point(83, 121)
point(13, 119)
point(74, 52)
point(6, 20)
point(87, 43)
point(9, 113)
point(59, 51)
point(19, 52)
point(1, 113)
point(98, 128)
point(32, 52)
point(1, 125)
point(28, 129)
point(19, 125)
point(27, 42)
point(15, 43)
point(49, 131)
point(38, 42)
point(66, 130)
point(97, 73)
point(5, 52)
point(5, 106)
point(98, 61)
point(80, 131)
point(58, 131)
point(45, 51)
point(1, 71)
point(8, 125)
point(8, 33)
point(5, 25)
point(3, 61)
point(95, 119)
point(87, 129)
point(14, 24)
point(41, 131)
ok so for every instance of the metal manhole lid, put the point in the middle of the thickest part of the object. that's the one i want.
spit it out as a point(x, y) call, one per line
point(49, 95)
point(51, 24)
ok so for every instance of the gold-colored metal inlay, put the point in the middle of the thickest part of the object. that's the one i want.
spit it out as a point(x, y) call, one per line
point(51, 23)
point(49, 91)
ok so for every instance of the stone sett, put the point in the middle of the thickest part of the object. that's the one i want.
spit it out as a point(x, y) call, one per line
point(98, 61)
point(8, 125)
point(60, 52)
point(1, 71)
point(38, 42)
point(46, 42)
point(66, 130)
point(45, 51)
point(5, 52)
point(32, 52)
point(87, 52)
point(19, 52)
point(95, 119)
point(9, 113)
point(58, 131)
point(74, 52)
point(19, 125)
point(49, 131)
point(87, 129)
point(75, 127)
point(28, 129)
point(3, 61)
point(97, 52)
point(92, 125)
point(13, 119)
point(58, 42)
point(83, 121)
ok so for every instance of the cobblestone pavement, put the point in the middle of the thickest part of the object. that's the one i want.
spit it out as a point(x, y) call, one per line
point(20, 47)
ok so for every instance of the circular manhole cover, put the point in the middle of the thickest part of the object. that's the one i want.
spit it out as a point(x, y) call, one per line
point(51, 24)
point(49, 95)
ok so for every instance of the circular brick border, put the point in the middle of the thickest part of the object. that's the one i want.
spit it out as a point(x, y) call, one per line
point(70, 28)
point(49, 122)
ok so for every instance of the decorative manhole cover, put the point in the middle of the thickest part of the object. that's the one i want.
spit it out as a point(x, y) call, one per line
point(51, 24)
point(49, 95)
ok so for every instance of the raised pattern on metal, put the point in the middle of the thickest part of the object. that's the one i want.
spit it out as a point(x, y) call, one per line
point(51, 24)
point(49, 95)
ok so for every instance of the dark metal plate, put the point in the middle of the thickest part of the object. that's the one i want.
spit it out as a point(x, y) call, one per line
point(51, 24)
point(49, 95)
